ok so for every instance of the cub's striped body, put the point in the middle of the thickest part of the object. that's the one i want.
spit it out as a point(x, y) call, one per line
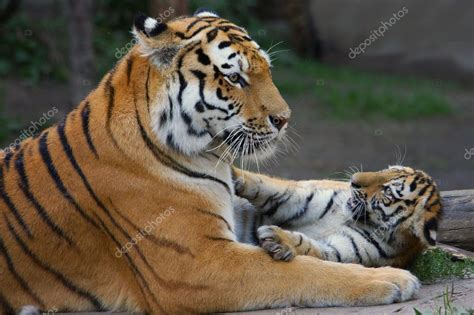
point(146, 141)
point(381, 218)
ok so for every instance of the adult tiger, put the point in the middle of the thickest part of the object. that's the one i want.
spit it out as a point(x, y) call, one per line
point(383, 218)
point(137, 147)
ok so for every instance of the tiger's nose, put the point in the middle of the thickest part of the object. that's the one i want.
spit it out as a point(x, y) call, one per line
point(278, 121)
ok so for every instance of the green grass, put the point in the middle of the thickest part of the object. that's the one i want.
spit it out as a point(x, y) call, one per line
point(437, 265)
point(448, 307)
point(344, 93)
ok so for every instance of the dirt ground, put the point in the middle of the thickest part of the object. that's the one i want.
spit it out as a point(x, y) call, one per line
point(326, 147)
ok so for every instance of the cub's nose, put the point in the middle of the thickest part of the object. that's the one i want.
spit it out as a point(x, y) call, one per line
point(357, 180)
point(278, 121)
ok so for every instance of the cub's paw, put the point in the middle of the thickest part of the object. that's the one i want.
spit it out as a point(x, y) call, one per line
point(276, 242)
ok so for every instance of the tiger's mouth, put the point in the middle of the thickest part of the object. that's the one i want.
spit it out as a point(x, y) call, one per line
point(358, 206)
point(243, 143)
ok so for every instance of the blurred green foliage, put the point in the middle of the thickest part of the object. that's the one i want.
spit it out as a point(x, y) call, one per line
point(8, 126)
point(24, 53)
point(112, 30)
point(345, 93)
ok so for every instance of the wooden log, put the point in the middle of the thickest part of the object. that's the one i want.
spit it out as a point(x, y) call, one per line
point(457, 223)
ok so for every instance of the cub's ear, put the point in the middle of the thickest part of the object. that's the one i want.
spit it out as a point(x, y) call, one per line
point(429, 211)
point(205, 12)
point(156, 40)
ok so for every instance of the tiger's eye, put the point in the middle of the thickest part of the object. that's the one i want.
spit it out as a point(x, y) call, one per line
point(234, 77)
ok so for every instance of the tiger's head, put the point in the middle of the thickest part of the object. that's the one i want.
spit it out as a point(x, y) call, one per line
point(398, 199)
point(217, 86)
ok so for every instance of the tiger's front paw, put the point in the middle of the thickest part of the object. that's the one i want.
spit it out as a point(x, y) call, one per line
point(276, 242)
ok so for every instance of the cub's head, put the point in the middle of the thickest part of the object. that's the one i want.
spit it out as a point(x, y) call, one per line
point(216, 86)
point(398, 199)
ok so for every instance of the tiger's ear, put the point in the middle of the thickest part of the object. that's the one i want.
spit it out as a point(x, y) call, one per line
point(205, 12)
point(430, 213)
point(156, 40)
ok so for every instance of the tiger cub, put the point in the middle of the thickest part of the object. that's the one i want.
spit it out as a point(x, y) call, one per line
point(378, 219)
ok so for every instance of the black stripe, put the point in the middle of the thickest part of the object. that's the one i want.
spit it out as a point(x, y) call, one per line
point(220, 95)
point(8, 309)
point(202, 82)
point(211, 35)
point(59, 276)
point(224, 44)
point(110, 92)
point(212, 214)
point(25, 187)
point(269, 199)
point(48, 161)
point(275, 206)
point(299, 213)
point(423, 190)
point(182, 82)
point(17, 276)
point(11, 206)
point(171, 107)
point(336, 252)
point(300, 241)
point(372, 241)
point(202, 57)
point(129, 68)
point(217, 238)
point(182, 86)
point(147, 95)
point(354, 247)
point(197, 20)
point(182, 36)
point(168, 161)
point(329, 205)
point(8, 158)
point(85, 114)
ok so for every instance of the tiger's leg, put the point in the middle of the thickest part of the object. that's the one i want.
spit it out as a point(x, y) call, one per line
point(243, 277)
point(283, 199)
point(285, 245)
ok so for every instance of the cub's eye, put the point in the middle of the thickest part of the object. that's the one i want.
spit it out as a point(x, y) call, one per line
point(387, 191)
